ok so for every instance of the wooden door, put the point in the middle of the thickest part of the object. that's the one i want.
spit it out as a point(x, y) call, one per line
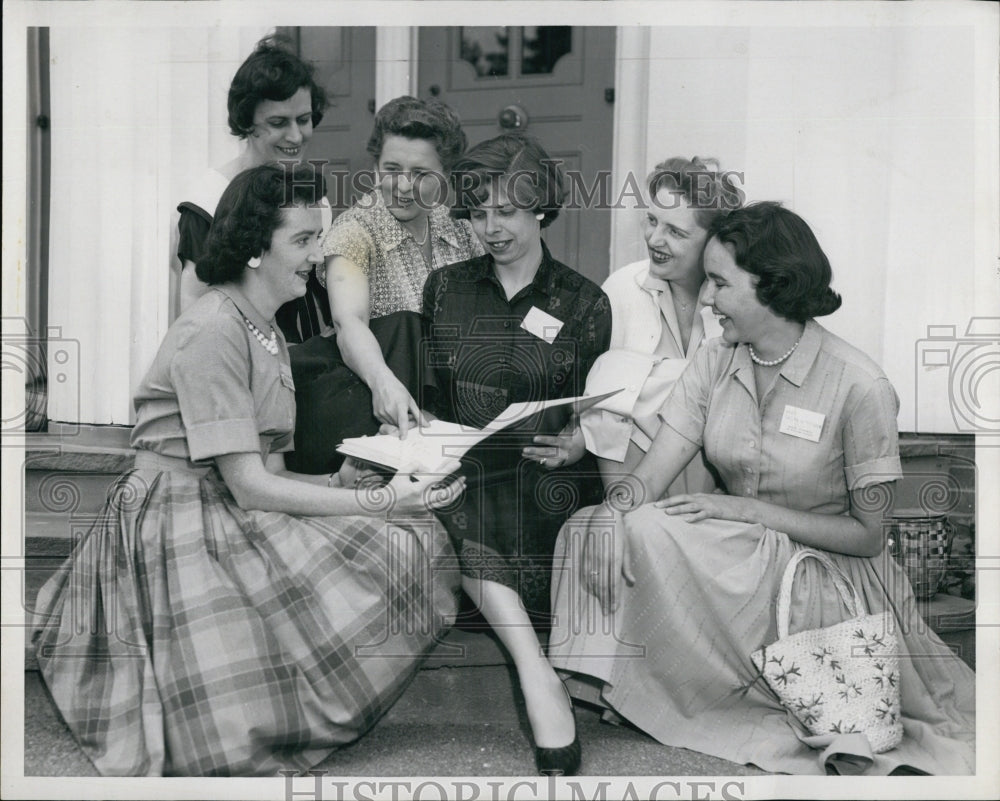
point(344, 58)
point(553, 82)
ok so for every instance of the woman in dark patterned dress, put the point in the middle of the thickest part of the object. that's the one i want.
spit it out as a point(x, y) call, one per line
point(226, 616)
point(511, 326)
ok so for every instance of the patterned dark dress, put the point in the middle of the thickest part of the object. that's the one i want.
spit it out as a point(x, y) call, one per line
point(188, 636)
point(479, 361)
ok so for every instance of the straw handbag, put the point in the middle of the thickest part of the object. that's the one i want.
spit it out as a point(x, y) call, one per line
point(839, 679)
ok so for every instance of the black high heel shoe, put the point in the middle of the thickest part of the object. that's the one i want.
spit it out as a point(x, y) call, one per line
point(563, 761)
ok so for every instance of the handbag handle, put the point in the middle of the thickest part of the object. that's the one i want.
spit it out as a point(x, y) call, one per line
point(848, 593)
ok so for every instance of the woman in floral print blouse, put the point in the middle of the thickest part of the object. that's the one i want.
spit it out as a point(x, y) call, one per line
point(378, 255)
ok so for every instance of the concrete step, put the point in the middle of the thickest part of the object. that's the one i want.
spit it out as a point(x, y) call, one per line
point(70, 469)
point(60, 492)
point(468, 721)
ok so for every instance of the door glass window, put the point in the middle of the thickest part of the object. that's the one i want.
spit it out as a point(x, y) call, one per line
point(486, 49)
point(543, 46)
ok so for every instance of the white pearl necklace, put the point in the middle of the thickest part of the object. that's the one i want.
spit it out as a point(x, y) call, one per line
point(270, 345)
point(757, 360)
point(427, 233)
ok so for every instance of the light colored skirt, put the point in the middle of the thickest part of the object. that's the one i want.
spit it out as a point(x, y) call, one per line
point(674, 658)
point(186, 636)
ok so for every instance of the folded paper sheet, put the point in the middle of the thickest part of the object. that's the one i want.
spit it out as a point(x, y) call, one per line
point(428, 448)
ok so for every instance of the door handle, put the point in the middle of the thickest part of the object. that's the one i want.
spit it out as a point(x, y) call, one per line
point(512, 118)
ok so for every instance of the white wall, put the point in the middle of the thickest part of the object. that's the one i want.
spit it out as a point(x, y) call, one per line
point(871, 134)
point(136, 113)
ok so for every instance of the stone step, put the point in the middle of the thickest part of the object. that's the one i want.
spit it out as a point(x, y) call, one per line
point(448, 723)
point(61, 492)
point(69, 470)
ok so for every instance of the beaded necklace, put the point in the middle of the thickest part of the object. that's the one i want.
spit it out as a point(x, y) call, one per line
point(763, 363)
point(270, 345)
point(427, 233)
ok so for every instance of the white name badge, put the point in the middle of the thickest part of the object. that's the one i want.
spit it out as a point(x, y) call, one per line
point(802, 423)
point(542, 325)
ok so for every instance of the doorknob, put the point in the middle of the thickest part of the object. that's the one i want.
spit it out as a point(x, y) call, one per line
point(513, 118)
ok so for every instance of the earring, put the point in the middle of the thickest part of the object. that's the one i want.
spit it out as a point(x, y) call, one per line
point(540, 216)
point(253, 262)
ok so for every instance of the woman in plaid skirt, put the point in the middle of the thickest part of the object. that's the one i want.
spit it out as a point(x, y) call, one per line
point(226, 616)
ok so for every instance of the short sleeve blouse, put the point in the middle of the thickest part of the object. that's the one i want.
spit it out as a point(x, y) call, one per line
point(853, 422)
point(390, 257)
point(213, 388)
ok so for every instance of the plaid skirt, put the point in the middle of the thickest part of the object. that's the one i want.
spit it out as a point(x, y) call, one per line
point(187, 636)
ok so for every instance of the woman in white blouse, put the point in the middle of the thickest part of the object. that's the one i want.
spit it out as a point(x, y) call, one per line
point(657, 322)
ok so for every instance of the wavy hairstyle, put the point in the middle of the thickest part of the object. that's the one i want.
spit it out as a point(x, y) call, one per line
point(532, 180)
point(704, 186)
point(412, 118)
point(776, 245)
point(271, 72)
point(248, 214)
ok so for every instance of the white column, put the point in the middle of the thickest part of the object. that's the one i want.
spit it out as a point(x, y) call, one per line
point(95, 186)
point(395, 63)
point(19, 354)
point(630, 140)
point(135, 113)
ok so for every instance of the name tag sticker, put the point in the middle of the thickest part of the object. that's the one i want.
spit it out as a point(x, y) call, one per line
point(542, 325)
point(802, 423)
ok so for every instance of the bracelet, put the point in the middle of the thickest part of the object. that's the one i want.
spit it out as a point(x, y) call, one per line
point(329, 480)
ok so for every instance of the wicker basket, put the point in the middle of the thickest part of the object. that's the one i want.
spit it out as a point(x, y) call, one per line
point(921, 545)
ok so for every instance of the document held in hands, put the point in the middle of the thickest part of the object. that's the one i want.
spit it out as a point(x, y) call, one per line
point(428, 448)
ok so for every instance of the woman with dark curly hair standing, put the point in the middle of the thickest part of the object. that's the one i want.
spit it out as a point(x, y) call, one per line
point(274, 105)
point(241, 618)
